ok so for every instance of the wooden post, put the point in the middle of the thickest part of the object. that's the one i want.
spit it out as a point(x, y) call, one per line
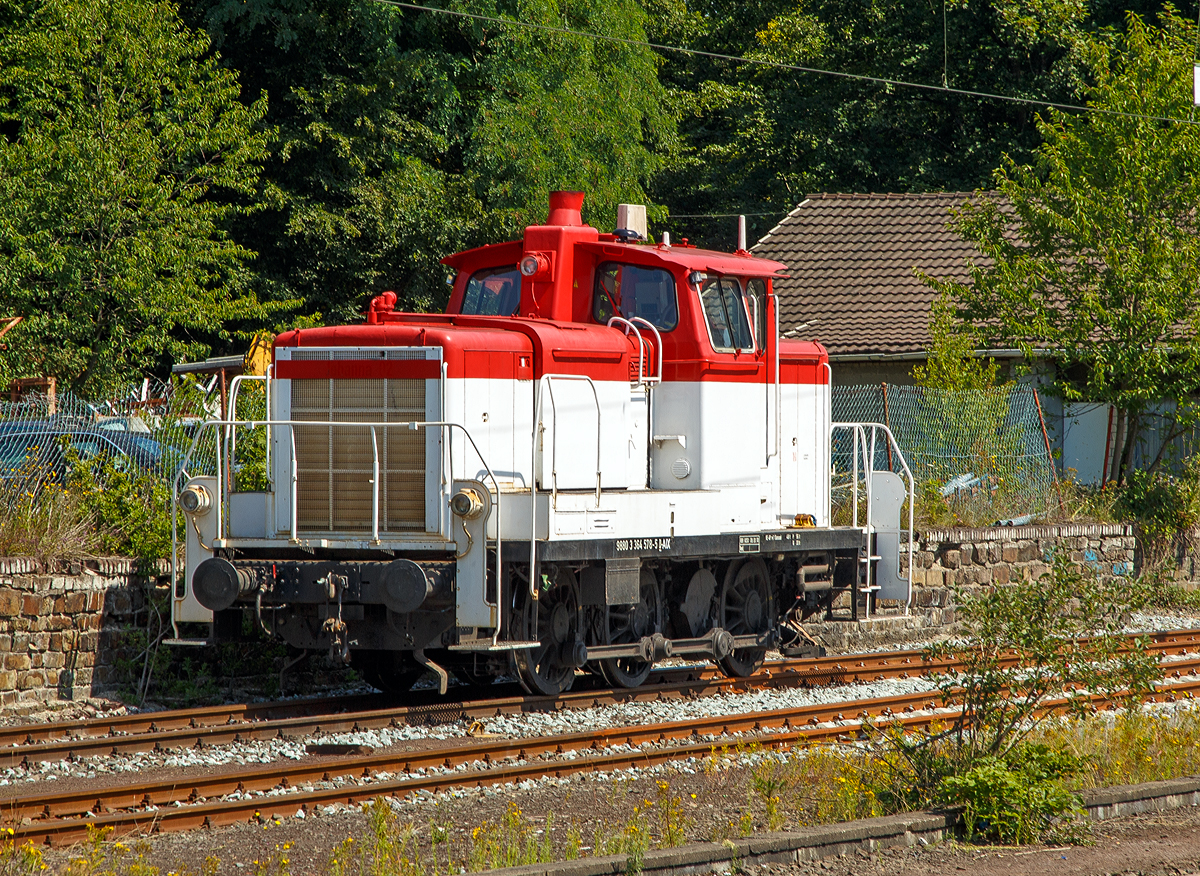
point(17, 389)
point(1049, 456)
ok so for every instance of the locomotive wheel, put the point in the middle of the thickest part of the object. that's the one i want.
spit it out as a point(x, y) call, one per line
point(629, 623)
point(746, 607)
point(553, 620)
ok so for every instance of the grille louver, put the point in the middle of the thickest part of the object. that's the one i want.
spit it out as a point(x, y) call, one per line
point(334, 465)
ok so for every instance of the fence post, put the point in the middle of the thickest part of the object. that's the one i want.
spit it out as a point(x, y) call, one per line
point(887, 421)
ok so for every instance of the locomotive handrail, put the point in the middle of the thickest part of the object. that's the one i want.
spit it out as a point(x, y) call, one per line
point(658, 346)
point(859, 432)
point(231, 435)
point(828, 410)
point(218, 503)
point(641, 342)
point(777, 451)
point(533, 470)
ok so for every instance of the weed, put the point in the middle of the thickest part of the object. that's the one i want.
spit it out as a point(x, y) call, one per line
point(672, 822)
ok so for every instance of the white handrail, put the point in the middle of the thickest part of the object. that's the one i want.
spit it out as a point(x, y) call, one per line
point(374, 486)
point(658, 346)
point(777, 451)
point(859, 431)
point(295, 482)
point(533, 472)
point(641, 342)
point(231, 436)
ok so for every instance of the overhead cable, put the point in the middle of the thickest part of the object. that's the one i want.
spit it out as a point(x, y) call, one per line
point(777, 65)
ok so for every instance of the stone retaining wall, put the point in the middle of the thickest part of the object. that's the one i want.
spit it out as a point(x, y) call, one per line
point(945, 559)
point(61, 628)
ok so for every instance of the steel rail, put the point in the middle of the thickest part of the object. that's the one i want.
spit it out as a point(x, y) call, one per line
point(198, 733)
point(65, 818)
point(219, 725)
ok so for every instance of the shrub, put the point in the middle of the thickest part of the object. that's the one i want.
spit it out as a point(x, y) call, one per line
point(1015, 798)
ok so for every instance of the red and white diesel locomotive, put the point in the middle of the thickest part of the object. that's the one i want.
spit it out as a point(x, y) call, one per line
point(604, 453)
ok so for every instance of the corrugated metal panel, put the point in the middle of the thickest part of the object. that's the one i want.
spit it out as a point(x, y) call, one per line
point(334, 466)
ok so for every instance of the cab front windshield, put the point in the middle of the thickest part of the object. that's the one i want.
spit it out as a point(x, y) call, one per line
point(493, 292)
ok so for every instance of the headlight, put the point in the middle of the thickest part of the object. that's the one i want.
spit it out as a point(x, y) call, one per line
point(195, 500)
point(466, 503)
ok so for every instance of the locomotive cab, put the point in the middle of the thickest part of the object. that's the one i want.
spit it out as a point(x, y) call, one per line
point(602, 454)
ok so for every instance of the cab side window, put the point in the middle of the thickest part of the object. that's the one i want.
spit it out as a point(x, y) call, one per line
point(725, 314)
point(493, 292)
point(756, 293)
point(629, 291)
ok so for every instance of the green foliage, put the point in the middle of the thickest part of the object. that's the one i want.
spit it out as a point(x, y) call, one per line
point(1092, 253)
point(404, 136)
point(1013, 799)
point(1059, 637)
point(130, 509)
point(952, 365)
point(760, 139)
point(124, 149)
point(1163, 505)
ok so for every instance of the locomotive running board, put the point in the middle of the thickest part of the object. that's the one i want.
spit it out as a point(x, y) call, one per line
point(487, 645)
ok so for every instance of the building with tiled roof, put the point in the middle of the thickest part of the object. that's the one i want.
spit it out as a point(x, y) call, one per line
point(852, 282)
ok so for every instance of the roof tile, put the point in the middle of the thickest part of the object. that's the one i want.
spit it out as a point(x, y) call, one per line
point(851, 266)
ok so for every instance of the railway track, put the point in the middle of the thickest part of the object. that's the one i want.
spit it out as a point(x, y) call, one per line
point(282, 789)
point(229, 724)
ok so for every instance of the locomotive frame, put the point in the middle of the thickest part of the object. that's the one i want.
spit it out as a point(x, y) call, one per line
point(604, 454)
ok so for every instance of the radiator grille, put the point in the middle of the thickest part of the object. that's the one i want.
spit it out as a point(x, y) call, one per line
point(334, 465)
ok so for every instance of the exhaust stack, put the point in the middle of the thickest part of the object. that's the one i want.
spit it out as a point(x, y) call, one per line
point(565, 208)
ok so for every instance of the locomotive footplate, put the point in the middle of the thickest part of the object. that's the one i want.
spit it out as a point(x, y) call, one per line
point(729, 544)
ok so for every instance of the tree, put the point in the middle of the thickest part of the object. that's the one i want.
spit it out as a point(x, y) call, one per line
point(1092, 256)
point(404, 136)
point(123, 150)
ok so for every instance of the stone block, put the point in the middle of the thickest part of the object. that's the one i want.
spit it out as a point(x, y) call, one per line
point(33, 605)
point(1001, 574)
point(918, 577)
point(8, 679)
point(74, 603)
point(54, 660)
point(950, 559)
point(10, 602)
point(59, 622)
point(1026, 551)
point(34, 678)
point(20, 662)
point(983, 575)
point(52, 676)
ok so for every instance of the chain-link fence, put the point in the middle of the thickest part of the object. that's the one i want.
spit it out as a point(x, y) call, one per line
point(146, 428)
point(985, 447)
